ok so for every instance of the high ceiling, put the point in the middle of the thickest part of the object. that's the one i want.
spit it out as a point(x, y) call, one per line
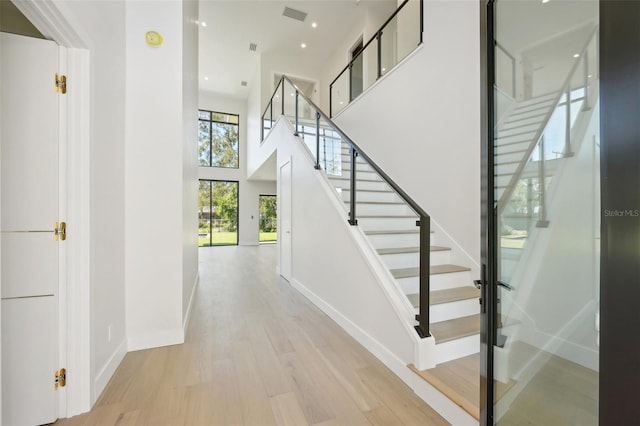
point(232, 25)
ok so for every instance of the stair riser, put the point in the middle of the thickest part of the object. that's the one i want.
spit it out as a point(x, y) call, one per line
point(383, 209)
point(394, 240)
point(387, 223)
point(345, 184)
point(516, 130)
point(372, 196)
point(458, 348)
point(452, 310)
point(504, 158)
point(412, 260)
point(436, 282)
point(361, 177)
point(523, 120)
point(501, 148)
point(361, 166)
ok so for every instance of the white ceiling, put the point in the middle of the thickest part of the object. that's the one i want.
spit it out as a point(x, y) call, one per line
point(231, 25)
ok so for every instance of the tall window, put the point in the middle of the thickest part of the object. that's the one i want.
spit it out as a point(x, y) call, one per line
point(218, 139)
point(217, 213)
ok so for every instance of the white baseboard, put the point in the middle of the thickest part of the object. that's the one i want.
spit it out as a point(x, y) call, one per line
point(376, 348)
point(439, 402)
point(156, 340)
point(107, 371)
point(187, 317)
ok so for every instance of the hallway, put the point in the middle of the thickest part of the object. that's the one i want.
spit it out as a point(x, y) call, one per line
point(256, 353)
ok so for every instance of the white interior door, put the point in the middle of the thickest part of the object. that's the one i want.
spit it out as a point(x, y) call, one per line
point(29, 264)
point(284, 216)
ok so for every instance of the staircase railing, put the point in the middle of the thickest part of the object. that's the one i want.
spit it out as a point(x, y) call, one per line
point(325, 142)
point(538, 140)
point(380, 52)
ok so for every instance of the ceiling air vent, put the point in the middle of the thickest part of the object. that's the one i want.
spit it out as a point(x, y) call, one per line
point(253, 47)
point(243, 83)
point(294, 14)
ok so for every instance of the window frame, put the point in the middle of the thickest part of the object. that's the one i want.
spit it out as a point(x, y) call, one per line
point(211, 120)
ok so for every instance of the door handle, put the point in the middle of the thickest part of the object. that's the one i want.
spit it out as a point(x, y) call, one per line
point(505, 285)
point(480, 285)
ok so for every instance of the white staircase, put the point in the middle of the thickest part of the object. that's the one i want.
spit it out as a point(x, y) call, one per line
point(390, 226)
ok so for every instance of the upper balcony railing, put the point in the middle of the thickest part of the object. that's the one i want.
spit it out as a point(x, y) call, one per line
point(400, 35)
point(354, 175)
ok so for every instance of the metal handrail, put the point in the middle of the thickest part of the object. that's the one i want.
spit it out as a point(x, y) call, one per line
point(513, 68)
point(376, 36)
point(424, 222)
point(536, 140)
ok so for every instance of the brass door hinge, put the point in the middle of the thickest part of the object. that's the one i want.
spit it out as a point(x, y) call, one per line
point(60, 378)
point(60, 231)
point(61, 84)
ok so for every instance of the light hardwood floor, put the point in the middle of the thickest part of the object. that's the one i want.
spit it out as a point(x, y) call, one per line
point(257, 353)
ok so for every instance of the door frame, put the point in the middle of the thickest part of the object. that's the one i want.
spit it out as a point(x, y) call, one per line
point(74, 292)
point(487, 212)
point(281, 272)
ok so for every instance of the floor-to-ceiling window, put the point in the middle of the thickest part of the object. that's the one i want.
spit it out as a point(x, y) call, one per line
point(268, 219)
point(217, 213)
point(543, 219)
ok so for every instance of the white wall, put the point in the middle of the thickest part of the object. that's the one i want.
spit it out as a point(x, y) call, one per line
point(421, 123)
point(155, 174)
point(248, 190)
point(189, 154)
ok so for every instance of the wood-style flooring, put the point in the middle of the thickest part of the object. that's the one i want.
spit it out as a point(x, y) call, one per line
point(256, 353)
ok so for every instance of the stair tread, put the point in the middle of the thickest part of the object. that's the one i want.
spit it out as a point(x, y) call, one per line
point(434, 270)
point(403, 250)
point(437, 297)
point(458, 380)
point(457, 328)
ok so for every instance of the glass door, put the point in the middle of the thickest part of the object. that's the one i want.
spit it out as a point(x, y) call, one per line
point(542, 321)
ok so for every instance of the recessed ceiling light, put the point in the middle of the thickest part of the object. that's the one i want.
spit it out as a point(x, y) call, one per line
point(314, 25)
point(341, 102)
point(292, 94)
point(204, 24)
point(303, 45)
point(589, 76)
point(384, 69)
point(545, 1)
point(206, 78)
point(576, 55)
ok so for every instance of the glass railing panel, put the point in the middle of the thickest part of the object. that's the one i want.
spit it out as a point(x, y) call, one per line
point(307, 125)
point(388, 46)
point(370, 64)
point(290, 102)
point(276, 103)
point(330, 149)
point(408, 29)
point(267, 122)
point(340, 93)
point(392, 43)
